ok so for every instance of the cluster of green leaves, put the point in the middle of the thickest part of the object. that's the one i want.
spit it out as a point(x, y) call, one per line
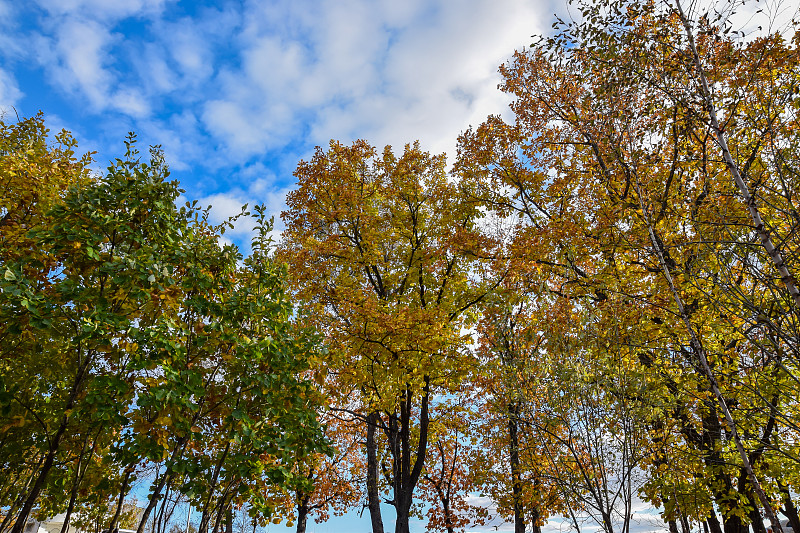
point(132, 336)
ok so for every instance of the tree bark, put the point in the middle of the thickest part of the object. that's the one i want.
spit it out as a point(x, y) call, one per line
point(749, 200)
point(407, 476)
point(713, 523)
point(153, 500)
point(55, 443)
point(123, 491)
point(516, 477)
point(373, 497)
point(703, 360)
point(206, 516)
point(789, 508)
point(302, 513)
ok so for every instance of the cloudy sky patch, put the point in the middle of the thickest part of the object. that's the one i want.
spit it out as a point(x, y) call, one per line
point(225, 85)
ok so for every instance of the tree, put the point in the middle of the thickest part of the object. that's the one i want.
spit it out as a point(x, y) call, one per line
point(380, 248)
point(115, 295)
point(616, 179)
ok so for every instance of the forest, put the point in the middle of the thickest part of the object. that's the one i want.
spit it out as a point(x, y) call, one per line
point(592, 308)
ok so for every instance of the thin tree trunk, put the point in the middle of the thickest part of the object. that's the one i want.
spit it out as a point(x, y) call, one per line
point(206, 516)
point(302, 513)
point(153, 501)
point(685, 524)
point(75, 483)
point(712, 523)
point(408, 475)
point(122, 493)
point(789, 508)
point(373, 498)
point(516, 478)
point(55, 443)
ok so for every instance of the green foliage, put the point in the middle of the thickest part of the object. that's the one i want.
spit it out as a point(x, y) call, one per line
point(131, 335)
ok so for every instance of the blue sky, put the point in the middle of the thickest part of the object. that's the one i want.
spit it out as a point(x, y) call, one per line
point(237, 92)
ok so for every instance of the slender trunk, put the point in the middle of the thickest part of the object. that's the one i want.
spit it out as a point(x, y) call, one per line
point(749, 200)
point(12, 509)
point(180, 445)
point(448, 519)
point(153, 500)
point(74, 492)
point(54, 444)
point(535, 517)
point(373, 498)
point(685, 528)
point(408, 475)
point(766, 241)
point(206, 516)
point(22, 518)
point(122, 493)
point(222, 507)
point(229, 520)
point(516, 477)
point(753, 513)
point(789, 508)
point(712, 523)
point(302, 513)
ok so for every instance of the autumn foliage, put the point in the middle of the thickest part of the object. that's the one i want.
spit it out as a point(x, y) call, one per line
point(596, 305)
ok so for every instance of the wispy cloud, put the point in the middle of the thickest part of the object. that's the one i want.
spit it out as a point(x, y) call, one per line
point(9, 91)
point(230, 85)
point(364, 69)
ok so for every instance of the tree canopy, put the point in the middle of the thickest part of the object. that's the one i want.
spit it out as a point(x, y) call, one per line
point(595, 305)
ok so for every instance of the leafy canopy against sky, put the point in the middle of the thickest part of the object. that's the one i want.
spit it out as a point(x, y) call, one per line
point(237, 91)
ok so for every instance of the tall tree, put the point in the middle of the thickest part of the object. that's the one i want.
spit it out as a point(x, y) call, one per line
point(617, 178)
point(379, 245)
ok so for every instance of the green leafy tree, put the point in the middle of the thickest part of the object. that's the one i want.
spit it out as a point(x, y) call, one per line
point(118, 295)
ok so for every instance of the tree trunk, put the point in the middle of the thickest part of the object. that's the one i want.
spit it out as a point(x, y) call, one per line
point(74, 492)
point(789, 508)
point(516, 477)
point(207, 508)
point(302, 514)
point(373, 498)
point(407, 476)
point(55, 442)
point(713, 523)
point(685, 524)
point(749, 199)
point(123, 491)
point(700, 352)
point(153, 500)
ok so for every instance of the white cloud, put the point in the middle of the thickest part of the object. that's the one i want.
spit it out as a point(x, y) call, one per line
point(254, 184)
point(103, 9)
point(380, 71)
point(9, 90)
point(77, 56)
